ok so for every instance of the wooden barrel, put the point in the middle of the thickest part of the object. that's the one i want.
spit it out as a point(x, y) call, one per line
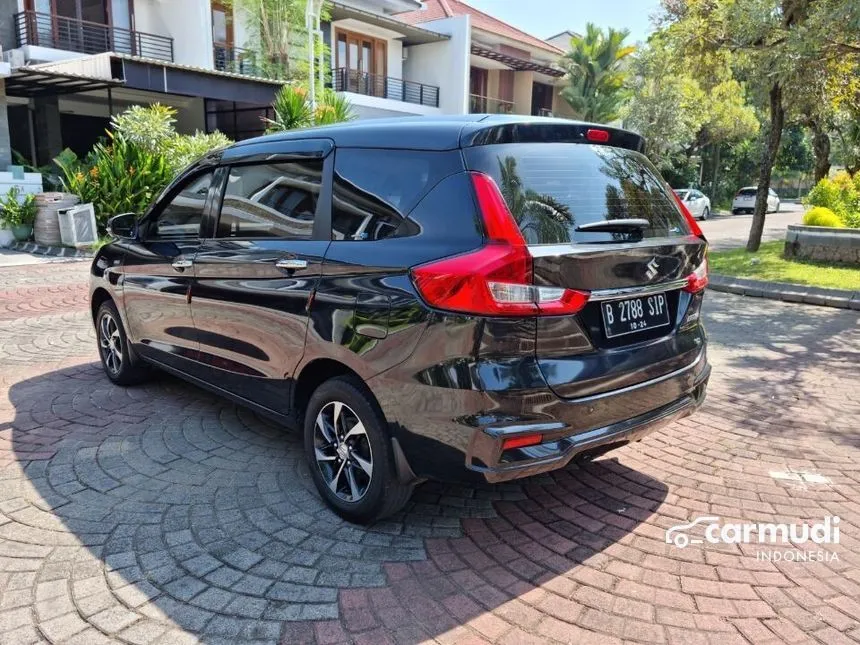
point(46, 229)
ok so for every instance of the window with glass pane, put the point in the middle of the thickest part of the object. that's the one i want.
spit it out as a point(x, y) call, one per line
point(181, 218)
point(271, 200)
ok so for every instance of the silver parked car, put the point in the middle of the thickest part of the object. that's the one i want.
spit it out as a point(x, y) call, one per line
point(696, 202)
point(744, 201)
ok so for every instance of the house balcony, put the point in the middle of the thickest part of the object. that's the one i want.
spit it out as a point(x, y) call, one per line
point(487, 105)
point(235, 60)
point(70, 34)
point(385, 87)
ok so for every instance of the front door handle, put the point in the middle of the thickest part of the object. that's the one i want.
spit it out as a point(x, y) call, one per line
point(181, 265)
point(291, 264)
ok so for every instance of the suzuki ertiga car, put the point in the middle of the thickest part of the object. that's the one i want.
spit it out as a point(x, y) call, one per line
point(468, 298)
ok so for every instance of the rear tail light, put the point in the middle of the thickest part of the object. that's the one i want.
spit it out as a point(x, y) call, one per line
point(698, 279)
point(691, 221)
point(497, 279)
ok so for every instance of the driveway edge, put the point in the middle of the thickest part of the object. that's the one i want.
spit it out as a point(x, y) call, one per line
point(54, 251)
point(839, 298)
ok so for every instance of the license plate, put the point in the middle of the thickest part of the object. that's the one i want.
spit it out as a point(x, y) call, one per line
point(622, 317)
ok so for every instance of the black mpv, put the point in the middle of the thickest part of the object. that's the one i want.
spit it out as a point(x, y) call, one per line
point(464, 298)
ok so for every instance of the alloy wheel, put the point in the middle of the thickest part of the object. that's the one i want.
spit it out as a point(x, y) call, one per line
point(110, 343)
point(342, 451)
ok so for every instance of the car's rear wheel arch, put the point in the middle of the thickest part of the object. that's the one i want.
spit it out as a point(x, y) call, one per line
point(314, 374)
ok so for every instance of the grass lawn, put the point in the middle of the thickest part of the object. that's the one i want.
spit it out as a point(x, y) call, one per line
point(773, 267)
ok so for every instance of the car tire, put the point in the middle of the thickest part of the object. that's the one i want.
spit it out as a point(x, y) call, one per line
point(777, 207)
point(705, 214)
point(735, 211)
point(350, 454)
point(121, 363)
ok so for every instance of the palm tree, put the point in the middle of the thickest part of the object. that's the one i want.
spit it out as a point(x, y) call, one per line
point(595, 69)
point(293, 109)
point(541, 218)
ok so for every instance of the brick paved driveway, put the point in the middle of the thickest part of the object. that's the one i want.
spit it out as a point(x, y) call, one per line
point(163, 514)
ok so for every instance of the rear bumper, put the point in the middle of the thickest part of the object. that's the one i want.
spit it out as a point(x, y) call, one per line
point(560, 447)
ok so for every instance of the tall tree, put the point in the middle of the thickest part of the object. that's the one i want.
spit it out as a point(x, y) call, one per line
point(596, 73)
point(774, 43)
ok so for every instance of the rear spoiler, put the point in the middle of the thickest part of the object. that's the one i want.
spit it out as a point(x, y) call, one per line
point(540, 130)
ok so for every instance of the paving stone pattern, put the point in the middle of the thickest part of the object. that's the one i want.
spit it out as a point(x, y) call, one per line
point(162, 514)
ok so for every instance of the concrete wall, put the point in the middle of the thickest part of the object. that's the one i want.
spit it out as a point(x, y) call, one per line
point(8, 9)
point(189, 22)
point(560, 107)
point(444, 64)
point(523, 82)
point(823, 244)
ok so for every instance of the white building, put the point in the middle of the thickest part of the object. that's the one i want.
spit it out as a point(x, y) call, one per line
point(76, 62)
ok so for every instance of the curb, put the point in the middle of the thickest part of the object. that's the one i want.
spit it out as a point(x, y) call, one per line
point(54, 251)
point(839, 298)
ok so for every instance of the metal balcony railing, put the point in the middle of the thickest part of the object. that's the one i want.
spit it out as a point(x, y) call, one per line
point(386, 87)
point(71, 34)
point(487, 105)
point(235, 60)
point(544, 112)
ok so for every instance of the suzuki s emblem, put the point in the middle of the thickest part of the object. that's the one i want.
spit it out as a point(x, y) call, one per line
point(652, 268)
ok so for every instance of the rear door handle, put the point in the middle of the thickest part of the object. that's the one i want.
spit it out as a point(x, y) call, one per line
point(291, 264)
point(181, 265)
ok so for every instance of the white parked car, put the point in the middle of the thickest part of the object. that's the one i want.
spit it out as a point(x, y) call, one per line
point(696, 202)
point(744, 201)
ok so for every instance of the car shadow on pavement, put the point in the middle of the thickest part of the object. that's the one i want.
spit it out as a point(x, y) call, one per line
point(157, 512)
point(785, 367)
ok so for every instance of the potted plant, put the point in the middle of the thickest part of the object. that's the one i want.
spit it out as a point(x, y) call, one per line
point(18, 213)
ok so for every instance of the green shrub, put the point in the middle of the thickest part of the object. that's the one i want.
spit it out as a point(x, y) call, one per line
point(292, 108)
point(820, 216)
point(152, 127)
point(17, 211)
point(117, 176)
point(841, 194)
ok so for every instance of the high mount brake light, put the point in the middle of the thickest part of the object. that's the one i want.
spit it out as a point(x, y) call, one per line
point(597, 136)
point(497, 279)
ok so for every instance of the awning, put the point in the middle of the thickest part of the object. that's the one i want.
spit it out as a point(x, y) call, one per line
point(412, 35)
point(518, 64)
point(30, 82)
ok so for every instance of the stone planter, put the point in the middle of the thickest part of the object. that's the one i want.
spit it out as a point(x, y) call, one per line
point(823, 244)
point(6, 236)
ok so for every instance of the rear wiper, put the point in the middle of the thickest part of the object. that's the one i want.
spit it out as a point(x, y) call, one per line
point(613, 226)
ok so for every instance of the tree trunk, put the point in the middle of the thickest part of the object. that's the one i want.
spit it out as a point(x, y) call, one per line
point(768, 158)
point(716, 176)
point(821, 149)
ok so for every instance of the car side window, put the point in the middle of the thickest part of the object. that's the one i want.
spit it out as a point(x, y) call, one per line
point(180, 219)
point(276, 200)
point(375, 190)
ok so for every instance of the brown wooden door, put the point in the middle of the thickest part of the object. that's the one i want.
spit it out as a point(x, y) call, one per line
point(361, 60)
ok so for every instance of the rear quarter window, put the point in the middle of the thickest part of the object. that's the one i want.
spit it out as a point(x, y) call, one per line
point(375, 190)
point(551, 188)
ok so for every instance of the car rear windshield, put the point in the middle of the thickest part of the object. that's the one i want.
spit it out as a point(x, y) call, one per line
point(747, 192)
point(551, 188)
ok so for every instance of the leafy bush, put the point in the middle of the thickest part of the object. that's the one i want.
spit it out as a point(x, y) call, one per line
point(293, 109)
point(142, 153)
point(153, 128)
point(841, 194)
point(821, 216)
point(117, 176)
point(17, 211)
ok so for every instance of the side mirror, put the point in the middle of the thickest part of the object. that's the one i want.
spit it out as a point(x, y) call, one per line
point(123, 226)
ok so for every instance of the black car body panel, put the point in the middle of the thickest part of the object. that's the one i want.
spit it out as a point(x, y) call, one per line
point(258, 313)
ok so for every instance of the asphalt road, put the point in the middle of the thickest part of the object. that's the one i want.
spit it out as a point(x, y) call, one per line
point(730, 231)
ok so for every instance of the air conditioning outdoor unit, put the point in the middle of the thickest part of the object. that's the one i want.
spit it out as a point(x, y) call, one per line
point(78, 225)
